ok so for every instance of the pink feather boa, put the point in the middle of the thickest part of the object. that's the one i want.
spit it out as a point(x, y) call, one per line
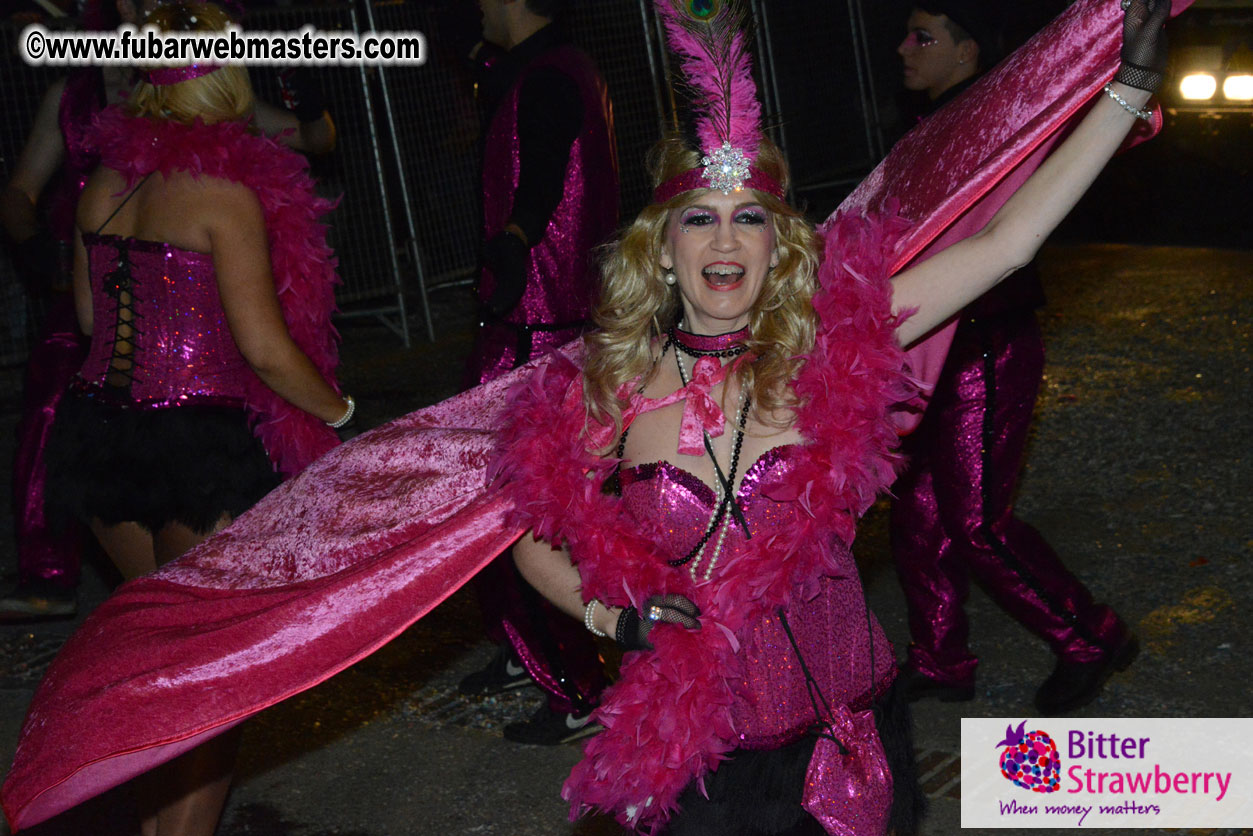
point(668, 719)
point(301, 262)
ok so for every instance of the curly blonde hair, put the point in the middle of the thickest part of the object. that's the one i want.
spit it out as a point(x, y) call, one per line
point(220, 96)
point(636, 307)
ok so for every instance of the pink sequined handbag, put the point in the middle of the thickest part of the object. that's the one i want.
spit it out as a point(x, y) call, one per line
point(848, 785)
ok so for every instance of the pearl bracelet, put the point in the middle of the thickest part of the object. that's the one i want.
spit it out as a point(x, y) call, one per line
point(589, 619)
point(352, 410)
point(1146, 115)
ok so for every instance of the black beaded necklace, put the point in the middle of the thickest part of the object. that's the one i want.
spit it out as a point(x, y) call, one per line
point(730, 344)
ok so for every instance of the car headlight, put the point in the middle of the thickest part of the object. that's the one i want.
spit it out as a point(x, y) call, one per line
point(1238, 88)
point(1197, 86)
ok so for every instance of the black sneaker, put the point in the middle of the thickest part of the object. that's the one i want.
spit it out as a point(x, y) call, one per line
point(503, 673)
point(550, 728)
point(38, 599)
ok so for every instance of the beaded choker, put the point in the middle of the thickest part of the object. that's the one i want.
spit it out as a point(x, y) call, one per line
point(730, 344)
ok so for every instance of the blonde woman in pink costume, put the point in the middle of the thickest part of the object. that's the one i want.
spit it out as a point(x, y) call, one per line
point(194, 390)
point(722, 567)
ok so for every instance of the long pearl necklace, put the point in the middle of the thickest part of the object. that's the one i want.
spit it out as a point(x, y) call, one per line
point(719, 519)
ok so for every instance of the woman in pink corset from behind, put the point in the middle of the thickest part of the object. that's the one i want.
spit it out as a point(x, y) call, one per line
point(201, 380)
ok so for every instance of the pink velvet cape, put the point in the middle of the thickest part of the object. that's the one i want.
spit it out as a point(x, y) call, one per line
point(367, 540)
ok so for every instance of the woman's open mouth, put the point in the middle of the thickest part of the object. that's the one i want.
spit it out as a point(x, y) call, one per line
point(723, 275)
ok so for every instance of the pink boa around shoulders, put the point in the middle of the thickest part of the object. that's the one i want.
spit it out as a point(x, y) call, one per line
point(302, 264)
point(668, 719)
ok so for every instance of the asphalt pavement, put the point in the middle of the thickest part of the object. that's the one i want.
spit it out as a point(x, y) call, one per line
point(1138, 474)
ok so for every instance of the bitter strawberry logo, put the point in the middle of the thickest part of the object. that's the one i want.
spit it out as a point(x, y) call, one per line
point(1030, 759)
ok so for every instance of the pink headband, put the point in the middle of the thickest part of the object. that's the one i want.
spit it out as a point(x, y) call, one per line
point(701, 178)
point(165, 76)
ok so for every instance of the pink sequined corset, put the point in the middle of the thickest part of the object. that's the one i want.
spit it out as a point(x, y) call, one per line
point(772, 706)
point(159, 332)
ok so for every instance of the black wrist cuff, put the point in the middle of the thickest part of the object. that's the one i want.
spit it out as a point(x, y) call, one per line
point(1141, 78)
point(628, 629)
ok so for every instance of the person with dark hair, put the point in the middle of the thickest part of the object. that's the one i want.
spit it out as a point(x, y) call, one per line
point(550, 196)
point(949, 42)
point(952, 518)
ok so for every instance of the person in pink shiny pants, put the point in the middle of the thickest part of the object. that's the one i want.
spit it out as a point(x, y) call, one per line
point(953, 515)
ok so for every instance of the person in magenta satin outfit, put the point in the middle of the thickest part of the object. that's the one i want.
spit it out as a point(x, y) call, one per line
point(49, 556)
point(721, 567)
point(153, 445)
point(550, 196)
point(953, 518)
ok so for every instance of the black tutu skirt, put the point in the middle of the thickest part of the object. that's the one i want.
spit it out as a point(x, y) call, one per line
point(758, 793)
point(190, 464)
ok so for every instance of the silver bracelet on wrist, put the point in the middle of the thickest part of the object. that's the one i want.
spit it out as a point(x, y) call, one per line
point(1146, 115)
point(352, 410)
point(589, 619)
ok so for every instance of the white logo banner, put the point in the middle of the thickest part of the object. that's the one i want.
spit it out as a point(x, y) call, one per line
point(1107, 773)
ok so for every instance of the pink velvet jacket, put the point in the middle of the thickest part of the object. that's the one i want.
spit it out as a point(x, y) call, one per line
point(369, 538)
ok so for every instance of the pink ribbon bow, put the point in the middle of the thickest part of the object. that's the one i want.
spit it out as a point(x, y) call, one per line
point(701, 413)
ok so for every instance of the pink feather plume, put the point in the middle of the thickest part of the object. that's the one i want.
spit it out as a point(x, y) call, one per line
point(718, 68)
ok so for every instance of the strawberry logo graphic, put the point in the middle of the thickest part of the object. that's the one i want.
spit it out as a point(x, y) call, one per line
point(1030, 759)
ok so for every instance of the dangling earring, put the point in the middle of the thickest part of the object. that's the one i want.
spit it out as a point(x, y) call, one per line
point(670, 278)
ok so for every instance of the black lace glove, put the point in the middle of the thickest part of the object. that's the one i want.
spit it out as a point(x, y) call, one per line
point(302, 94)
point(1144, 45)
point(507, 257)
point(37, 263)
point(632, 630)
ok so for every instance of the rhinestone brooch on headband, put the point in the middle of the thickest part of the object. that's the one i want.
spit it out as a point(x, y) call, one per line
point(726, 168)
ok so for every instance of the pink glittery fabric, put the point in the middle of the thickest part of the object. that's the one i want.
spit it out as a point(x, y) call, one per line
point(81, 100)
point(954, 518)
point(556, 650)
point(952, 172)
point(44, 551)
point(182, 350)
point(562, 275)
point(772, 706)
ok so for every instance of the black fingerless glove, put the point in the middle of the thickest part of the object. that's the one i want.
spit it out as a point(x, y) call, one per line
point(1144, 45)
point(632, 630)
point(507, 257)
point(302, 93)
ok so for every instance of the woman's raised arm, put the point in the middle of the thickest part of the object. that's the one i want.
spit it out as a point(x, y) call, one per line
point(944, 284)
